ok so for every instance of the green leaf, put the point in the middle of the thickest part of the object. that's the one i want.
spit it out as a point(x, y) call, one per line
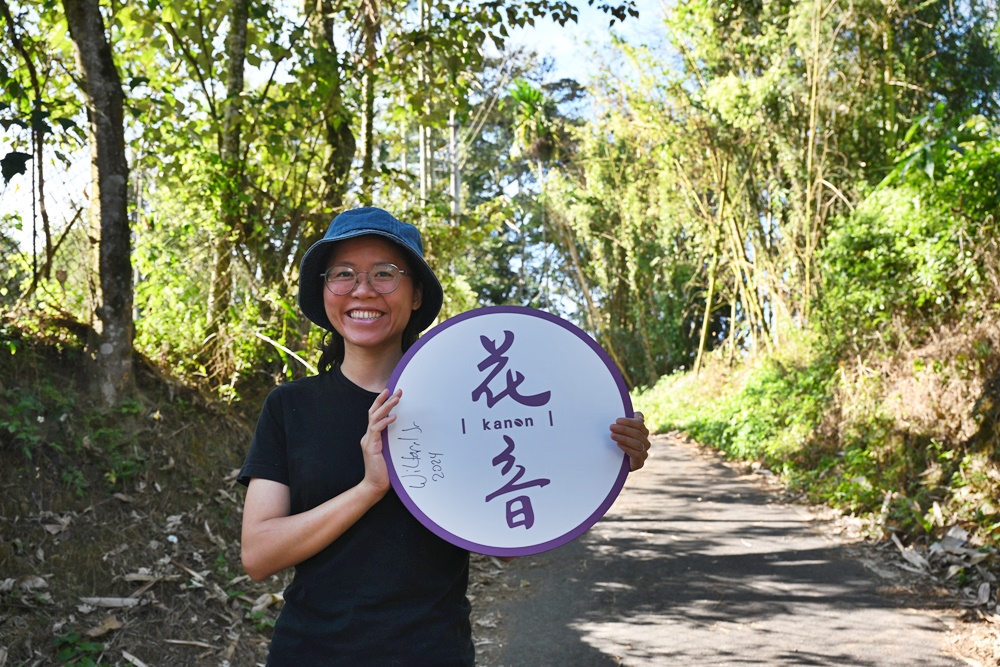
point(66, 123)
point(13, 90)
point(170, 15)
point(12, 164)
point(913, 130)
point(929, 163)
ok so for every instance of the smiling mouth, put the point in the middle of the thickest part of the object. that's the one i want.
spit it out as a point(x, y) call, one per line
point(364, 315)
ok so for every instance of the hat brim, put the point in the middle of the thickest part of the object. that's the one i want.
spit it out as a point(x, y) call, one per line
point(314, 263)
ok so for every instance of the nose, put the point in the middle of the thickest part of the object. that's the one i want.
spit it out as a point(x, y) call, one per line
point(363, 285)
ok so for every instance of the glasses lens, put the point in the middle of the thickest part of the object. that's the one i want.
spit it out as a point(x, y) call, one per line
point(341, 279)
point(384, 277)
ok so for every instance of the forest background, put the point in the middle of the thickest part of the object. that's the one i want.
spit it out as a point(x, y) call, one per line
point(779, 218)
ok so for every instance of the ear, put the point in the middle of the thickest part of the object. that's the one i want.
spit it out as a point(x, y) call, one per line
point(418, 296)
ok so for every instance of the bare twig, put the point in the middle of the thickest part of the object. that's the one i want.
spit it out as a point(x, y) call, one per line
point(134, 660)
point(185, 642)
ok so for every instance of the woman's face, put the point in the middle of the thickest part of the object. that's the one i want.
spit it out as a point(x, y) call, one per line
point(364, 317)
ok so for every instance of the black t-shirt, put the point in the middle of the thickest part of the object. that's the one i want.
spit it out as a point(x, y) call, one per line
point(387, 591)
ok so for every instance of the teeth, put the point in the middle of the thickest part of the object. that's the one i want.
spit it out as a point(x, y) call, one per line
point(365, 314)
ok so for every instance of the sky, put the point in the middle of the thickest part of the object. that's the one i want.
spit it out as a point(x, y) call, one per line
point(572, 46)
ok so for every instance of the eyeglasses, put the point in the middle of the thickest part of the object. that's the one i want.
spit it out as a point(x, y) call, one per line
point(384, 278)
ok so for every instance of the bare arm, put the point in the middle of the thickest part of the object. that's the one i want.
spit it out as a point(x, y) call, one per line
point(273, 539)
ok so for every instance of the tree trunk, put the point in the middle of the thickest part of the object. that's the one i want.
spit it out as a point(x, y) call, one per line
point(594, 319)
point(339, 135)
point(110, 231)
point(707, 316)
point(220, 296)
point(745, 279)
point(423, 74)
point(720, 221)
point(371, 22)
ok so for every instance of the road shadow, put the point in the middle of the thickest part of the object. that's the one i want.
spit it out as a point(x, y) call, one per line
point(696, 565)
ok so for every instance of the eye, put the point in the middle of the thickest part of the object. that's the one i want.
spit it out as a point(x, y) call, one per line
point(340, 273)
point(384, 272)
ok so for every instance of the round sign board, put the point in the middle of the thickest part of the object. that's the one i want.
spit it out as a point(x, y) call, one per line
point(501, 443)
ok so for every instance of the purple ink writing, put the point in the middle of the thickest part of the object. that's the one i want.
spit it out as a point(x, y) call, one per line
point(519, 512)
point(519, 509)
point(498, 361)
point(497, 424)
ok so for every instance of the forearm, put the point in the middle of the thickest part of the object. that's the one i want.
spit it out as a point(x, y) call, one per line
point(272, 543)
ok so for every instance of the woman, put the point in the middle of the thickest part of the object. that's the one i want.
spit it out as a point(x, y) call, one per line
point(372, 586)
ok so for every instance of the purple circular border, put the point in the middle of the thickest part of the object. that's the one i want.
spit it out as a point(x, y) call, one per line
point(487, 550)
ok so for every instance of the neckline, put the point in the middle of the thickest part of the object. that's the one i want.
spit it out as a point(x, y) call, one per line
point(350, 383)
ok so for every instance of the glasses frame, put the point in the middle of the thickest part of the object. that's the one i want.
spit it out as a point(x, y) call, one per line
point(368, 278)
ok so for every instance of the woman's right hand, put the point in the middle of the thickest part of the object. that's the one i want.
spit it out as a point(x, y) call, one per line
point(379, 417)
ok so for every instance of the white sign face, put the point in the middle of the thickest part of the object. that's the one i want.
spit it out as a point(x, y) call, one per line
point(501, 443)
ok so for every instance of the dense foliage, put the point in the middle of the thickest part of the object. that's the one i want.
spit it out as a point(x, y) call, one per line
point(891, 406)
point(791, 203)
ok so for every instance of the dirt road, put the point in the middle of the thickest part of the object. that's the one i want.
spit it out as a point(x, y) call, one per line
point(696, 564)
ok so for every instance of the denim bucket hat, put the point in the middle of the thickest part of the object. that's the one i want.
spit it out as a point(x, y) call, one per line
point(360, 222)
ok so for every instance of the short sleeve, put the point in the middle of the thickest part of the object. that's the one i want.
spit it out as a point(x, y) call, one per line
point(267, 457)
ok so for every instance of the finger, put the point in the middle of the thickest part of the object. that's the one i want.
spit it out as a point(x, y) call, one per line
point(376, 428)
point(637, 420)
point(378, 424)
point(634, 448)
point(379, 401)
point(621, 431)
point(637, 456)
point(632, 437)
point(636, 460)
point(380, 416)
point(383, 404)
point(630, 429)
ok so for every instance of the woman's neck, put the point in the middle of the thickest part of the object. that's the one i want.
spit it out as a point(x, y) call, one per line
point(369, 369)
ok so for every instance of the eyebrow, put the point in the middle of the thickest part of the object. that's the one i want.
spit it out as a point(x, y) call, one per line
point(401, 266)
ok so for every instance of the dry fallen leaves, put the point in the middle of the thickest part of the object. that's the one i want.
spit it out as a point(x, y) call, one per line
point(60, 525)
point(952, 556)
point(265, 601)
point(109, 624)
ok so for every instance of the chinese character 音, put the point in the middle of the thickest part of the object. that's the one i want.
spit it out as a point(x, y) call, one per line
point(519, 509)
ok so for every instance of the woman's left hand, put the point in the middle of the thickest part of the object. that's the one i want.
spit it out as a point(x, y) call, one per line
point(632, 437)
